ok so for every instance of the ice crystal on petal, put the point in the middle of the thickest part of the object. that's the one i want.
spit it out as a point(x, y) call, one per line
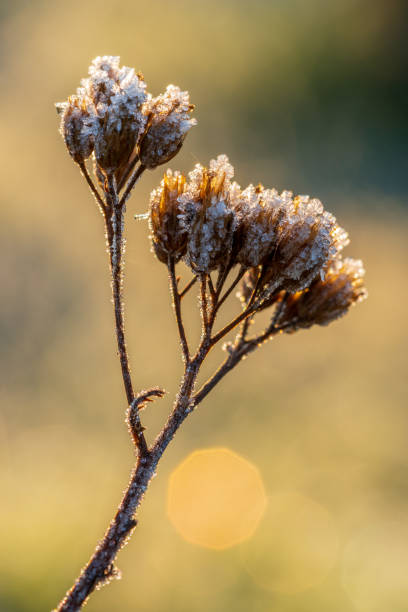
point(168, 123)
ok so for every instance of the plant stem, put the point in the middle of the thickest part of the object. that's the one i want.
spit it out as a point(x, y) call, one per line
point(230, 289)
point(114, 230)
point(116, 256)
point(177, 309)
point(203, 303)
point(241, 317)
point(132, 182)
point(126, 173)
point(100, 568)
point(92, 187)
point(188, 287)
point(241, 349)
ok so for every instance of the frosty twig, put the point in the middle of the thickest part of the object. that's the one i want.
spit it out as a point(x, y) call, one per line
point(285, 252)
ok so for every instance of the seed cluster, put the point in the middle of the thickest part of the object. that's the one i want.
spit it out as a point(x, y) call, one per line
point(113, 117)
point(326, 299)
point(284, 243)
point(288, 248)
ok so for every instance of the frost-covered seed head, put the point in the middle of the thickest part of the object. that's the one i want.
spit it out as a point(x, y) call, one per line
point(168, 121)
point(209, 216)
point(114, 97)
point(169, 237)
point(308, 238)
point(328, 299)
point(78, 122)
point(262, 213)
point(118, 95)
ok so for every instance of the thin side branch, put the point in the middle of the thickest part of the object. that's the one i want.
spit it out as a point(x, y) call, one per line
point(127, 172)
point(177, 309)
point(238, 352)
point(92, 187)
point(244, 330)
point(222, 276)
point(114, 232)
point(132, 182)
point(211, 288)
point(188, 287)
point(204, 304)
point(240, 274)
point(241, 317)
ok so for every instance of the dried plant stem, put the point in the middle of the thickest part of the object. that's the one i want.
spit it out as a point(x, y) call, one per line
point(240, 274)
point(116, 247)
point(213, 292)
point(240, 349)
point(238, 319)
point(130, 167)
point(100, 568)
point(92, 187)
point(177, 309)
point(188, 287)
point(244, 329)
point(132, 182)
point(204, 303)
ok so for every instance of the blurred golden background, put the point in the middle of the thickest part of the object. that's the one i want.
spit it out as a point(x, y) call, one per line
point(304, 95)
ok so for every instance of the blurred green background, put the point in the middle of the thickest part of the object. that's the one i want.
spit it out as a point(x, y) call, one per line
point(305, 95)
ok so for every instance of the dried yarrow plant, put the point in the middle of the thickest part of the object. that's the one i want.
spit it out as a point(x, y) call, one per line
point(283, 252)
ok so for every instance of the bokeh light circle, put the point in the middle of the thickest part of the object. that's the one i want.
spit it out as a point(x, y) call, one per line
point(375, 568)
point(216, 498)
point(295, 545)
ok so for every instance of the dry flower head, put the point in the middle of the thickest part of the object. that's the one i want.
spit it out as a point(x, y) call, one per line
point(208, 215)
point(168, 121)
point(113, 117)
point(326, 299)
point(169, 237)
